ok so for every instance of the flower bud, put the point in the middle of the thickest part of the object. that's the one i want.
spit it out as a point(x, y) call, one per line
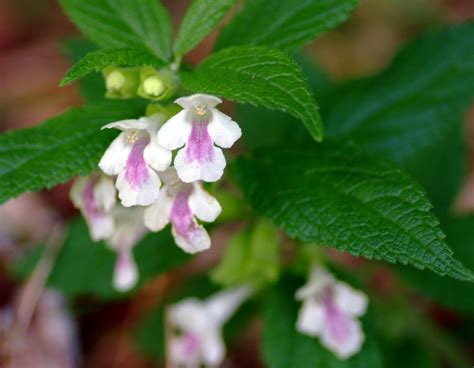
point(156, 84)
point(121, 82)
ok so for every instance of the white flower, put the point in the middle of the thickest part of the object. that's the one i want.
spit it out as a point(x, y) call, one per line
point(181, 203)
point(199, 324)
point(329, 311)
point(199, 127)
point(129, 229)
point(94, 196)
point(134, 156)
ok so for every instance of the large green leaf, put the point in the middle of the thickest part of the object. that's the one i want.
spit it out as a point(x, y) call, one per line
point(448, 292)
point(123, 23)
point(284, 347)
point(334, 195)
point(414, 104)
point(200, 20)
point(99, 60)
point(284, 24)
point(259, 76)
point(52, 152)
point(85, 267)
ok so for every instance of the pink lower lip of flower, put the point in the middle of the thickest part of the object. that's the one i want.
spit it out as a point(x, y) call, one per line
point(336, 321)
point(199, 147)
point(136, 168)
point(90, 202)
point(191, 343)
point(181, 215)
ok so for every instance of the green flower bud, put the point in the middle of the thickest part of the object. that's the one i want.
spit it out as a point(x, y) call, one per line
point(157, 85)
point(121, 82)
point(168, 110)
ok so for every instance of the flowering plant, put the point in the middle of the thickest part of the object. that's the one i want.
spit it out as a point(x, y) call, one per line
point(159, 167)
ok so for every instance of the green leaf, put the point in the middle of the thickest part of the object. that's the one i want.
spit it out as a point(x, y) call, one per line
point(200, 20)
point(51, 153)
point(99, 60)
point(284, 24)
point(336, 196)
point(123, 23)
point(284, 347)
point(251, 257)
point(92, 87)
point(448, 292)
point(259, 76)
point(85, 267)
point(414, 104)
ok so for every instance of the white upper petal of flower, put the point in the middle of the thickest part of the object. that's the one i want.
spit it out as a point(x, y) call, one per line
point(115, 157)
point(204, 206)
point(318, 280)
point(198, 99)
point(223, 130)
point(222, 306)
point(138, 124)
point(175, 132)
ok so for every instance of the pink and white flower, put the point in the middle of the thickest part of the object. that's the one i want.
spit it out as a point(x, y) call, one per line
point(200, 128)
point(135, 156)
point(181, 203)
point(329, 311)
point(199, 324)
point(95, 196)
point(128, 231)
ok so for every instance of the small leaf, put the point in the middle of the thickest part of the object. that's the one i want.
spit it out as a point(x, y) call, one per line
point(410, 107)
point(285, 347)
point(123, 23)
point(200, 20)
point(334, 195)
point(251, 257)
point(261, 77)
point(284, 24)
point(51, 153)
point(98, 60)
point(85, 267)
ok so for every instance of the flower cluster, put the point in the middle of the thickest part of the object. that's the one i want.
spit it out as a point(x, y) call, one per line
point(329, 311)
point(154, 189)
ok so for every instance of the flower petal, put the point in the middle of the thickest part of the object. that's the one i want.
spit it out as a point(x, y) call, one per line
point(105, 193)
point(157, 215)
point(198, 99)
point(210, 170)
point(143, 194)
point(138, 124)
point(221, 306)
point(204, 206)
point(310, 318)
point(351, 301)
point(156, 156)
point(213, 349)
point(223, 130)
point(114, 159)
point(342, 334)
point(126, 271)
point(175, 132)
point(195, 241)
